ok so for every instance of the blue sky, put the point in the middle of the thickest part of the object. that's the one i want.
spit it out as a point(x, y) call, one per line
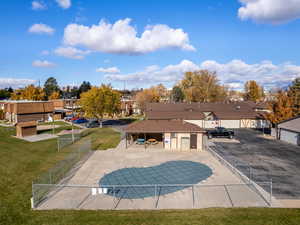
point(239, 39)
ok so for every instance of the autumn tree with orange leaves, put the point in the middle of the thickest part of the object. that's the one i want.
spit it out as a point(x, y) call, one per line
point(29, 93)
point(281, 108)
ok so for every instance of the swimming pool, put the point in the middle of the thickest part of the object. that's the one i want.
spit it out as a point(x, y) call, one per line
point(169, 173)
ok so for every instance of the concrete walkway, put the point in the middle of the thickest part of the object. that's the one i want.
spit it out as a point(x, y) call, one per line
point(38, 137)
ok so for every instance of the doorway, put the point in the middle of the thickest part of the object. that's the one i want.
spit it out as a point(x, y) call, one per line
point(193, 141)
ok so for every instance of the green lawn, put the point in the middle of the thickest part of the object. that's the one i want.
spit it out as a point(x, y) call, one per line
point(104, 138)
point(21, 162)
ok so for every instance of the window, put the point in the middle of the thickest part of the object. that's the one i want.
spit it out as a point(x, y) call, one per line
point(173, 135)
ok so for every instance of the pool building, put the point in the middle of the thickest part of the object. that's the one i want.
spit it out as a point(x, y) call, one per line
point(166, 134)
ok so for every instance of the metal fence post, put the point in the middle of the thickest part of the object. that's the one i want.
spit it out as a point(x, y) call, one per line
point(32, 201)
point(271, 191)
point(193, 196)
point(50, 177)
point(114, 194)
point(250, 173)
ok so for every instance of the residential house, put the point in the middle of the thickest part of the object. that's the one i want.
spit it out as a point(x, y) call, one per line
point(64, 107)
point(210, 115)
point(24, 111)
point(129, 106)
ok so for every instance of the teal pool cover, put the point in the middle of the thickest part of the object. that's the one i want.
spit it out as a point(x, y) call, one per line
point(169, 173)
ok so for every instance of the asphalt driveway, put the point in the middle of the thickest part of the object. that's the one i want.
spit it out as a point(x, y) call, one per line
point(269, 159)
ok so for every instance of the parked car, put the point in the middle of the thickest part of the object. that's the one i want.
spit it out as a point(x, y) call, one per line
point(92, 124)
point(220, 132)
point(81, 120)
point(74, 118)
point(68, 118)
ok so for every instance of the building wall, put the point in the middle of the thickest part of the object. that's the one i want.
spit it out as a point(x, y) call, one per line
point(289, 136)
point(230, 123)
point(176, 143)
point(26, 131)
point(200, 142)
point(32, 117)
point(244, 123)
point(167, 140)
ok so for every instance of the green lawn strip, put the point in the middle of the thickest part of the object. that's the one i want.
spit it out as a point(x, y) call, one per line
point(103, 138)
point(21, 162)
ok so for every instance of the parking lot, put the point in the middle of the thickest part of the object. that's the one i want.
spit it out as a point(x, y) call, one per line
point(269, 159)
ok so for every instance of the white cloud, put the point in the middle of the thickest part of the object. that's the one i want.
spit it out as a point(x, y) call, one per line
point(270, 11)
point(236, 72)
point(15, 82)
point(40, 28)
point(42, 63)
point(65, 4)
point(71, 52)
point(45, 52)
point(108, 70)
point(155, 74)
point(121, 37)
point(233, 73)
point(37, 5)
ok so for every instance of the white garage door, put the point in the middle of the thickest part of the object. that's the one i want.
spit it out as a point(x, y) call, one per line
point(230, 123)
point(288, 136)
point(185, 143)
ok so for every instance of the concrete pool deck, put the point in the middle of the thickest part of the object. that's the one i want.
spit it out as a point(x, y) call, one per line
point(222, 189)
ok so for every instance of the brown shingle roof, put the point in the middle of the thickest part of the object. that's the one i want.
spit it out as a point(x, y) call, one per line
point(27, 124)
point(32, 107)
point(194, 111)
point(292, 124)
point(154, 115)
point(161, 126)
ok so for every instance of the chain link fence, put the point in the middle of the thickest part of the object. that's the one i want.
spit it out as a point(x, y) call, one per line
point(52, 191)
point(69, 139)
point(62, 171)
point(180, 196)
point(65, 140)
point(246, 173)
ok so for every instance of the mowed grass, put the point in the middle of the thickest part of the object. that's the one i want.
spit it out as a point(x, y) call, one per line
point(103, 139)
point(21, 162)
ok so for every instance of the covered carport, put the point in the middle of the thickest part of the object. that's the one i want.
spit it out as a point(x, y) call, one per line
point(166, 134)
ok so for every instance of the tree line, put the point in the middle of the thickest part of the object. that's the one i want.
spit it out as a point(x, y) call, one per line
point(204, 86)
point(49, 91)
point(197, 86)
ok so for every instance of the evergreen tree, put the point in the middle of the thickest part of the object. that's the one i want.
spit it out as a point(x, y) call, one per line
point(84, 87)
point(50, 86)
point(177, 94)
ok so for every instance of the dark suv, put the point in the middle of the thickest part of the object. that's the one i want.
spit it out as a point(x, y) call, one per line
point(220, 132)
point(92, 124)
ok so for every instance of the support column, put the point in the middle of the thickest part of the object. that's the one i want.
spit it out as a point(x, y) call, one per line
point(145, 140)
point(126, 139)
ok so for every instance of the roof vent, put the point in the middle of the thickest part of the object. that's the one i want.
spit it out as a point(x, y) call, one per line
point(238, 107)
